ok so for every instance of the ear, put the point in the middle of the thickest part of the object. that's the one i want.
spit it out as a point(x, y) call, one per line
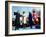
point(15, 13)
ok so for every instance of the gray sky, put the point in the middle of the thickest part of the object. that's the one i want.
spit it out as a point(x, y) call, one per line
point(20, 9)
